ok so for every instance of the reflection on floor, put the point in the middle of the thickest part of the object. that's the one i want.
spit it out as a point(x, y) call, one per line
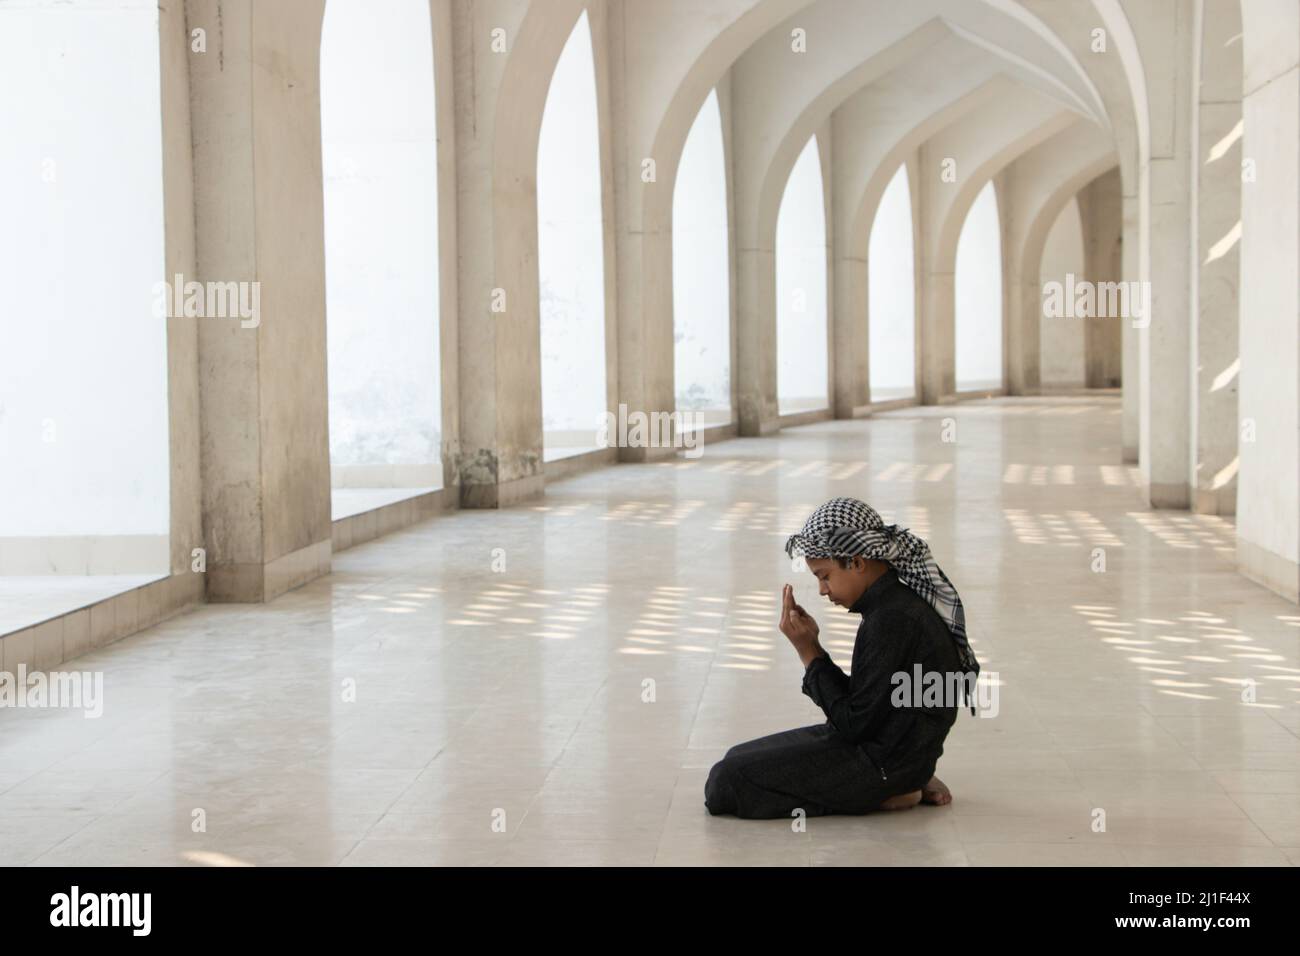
point(551, 683)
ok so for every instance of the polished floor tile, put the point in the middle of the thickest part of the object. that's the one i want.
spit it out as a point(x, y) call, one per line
point(427, 704)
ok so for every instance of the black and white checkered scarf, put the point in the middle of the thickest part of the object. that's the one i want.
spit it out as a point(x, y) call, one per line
point(848, 528)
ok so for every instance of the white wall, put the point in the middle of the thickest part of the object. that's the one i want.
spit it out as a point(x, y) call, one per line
point(701, 279)
point(978, 284)
point(802, 381)
point(1268, 488)
point(1062, 352)
point(83, 366)
point(891, 295)
point(571, 248)
point(379, 150)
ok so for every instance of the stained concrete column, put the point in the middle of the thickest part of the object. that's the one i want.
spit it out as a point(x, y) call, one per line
point(500, 48)
point(1268, 500)
point(1216, 357)
point(258, 210)
point(1101, 212)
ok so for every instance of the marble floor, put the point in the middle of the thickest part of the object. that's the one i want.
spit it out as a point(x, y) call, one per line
point(549, 684)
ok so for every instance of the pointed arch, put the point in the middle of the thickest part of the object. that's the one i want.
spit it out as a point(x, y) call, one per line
point(802, 367)
point(891, 294)
point(701, 271)
point(570, 253)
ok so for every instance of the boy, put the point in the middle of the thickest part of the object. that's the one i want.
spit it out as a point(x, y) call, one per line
point(877, 749)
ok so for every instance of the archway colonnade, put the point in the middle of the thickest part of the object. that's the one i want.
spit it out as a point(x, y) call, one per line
point(1167, 138)
point(1041, 99)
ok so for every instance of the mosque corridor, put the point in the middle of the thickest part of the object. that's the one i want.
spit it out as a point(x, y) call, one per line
point(550, 683)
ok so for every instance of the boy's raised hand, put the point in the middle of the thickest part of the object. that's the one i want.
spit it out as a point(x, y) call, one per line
point(796, 623)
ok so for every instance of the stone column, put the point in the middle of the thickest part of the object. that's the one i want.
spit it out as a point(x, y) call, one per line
point(500, 49)
point(1131, 259)
point(850, 362)
point(1167, 38)
point(258, 210)
point(643, 181)
point(1101, 210)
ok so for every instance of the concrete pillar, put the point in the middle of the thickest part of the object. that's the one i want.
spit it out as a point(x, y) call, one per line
point(500, 49)
point(1166, 33)
point(935, 316)
point(1101, 212)
point(1133, 268)
point(1268, 501)
point(1020, 290)
point(1063, 339)
point(733, 297)
point(756, 401)
point(850, 367)
point(182, 333)
point(1216, 356)
point(258, 211)
point(644, 335)
point(825, 155)
point(918, 280)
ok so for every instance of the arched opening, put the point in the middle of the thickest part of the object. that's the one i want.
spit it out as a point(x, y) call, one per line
point(802, 377)
point(891, 295)
point(701, 275)
point(570, 254)
point(978, 292)
point(379, 153)
point(84, 429)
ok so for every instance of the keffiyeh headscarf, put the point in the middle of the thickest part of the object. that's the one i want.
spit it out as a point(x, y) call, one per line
point(849, 528)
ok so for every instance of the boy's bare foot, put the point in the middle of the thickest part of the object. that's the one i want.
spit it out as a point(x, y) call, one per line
point(936, 792)
point(903, 801)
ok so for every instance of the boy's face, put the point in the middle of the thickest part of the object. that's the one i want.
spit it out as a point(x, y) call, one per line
point(842, 585)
